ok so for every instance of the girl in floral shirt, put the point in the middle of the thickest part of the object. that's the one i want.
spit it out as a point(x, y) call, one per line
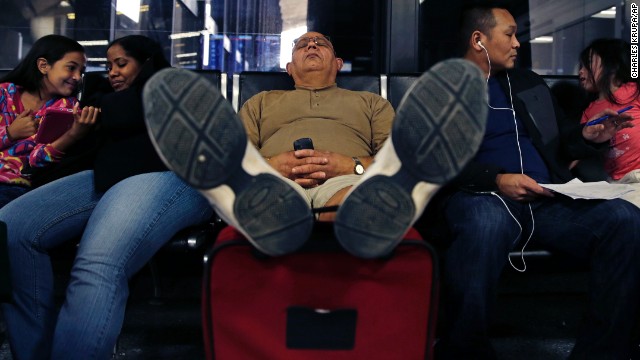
point(47, 77)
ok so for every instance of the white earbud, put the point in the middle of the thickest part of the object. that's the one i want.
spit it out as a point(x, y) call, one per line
point(482, 46)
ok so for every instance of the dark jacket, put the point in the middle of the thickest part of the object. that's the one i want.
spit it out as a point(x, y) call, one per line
point(557, 141)
point(126, 149)
point(5, 280)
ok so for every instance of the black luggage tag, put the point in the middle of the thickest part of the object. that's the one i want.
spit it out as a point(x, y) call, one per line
point(321, 329)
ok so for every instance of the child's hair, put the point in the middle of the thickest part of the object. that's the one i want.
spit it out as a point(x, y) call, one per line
point(615, 55)
point(50, 47)
point(147, 52)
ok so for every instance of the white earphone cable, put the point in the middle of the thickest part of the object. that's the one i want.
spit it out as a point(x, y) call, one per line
point(515, 122)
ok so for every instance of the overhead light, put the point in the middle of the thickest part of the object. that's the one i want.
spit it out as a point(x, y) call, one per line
point(186, 55)
point(64, 3)
point(542, 40)
point(93, 42)
point(97, 59)
point(71, 16)
point(129, 8)
point(286, 40)
point(606, 14)
point(187, 34)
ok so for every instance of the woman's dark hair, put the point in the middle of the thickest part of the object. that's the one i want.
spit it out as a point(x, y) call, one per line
point(147, 52)
point(50, 47)
point(615, 55)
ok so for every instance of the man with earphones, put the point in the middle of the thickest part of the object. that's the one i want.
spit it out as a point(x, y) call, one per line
point(497, 204)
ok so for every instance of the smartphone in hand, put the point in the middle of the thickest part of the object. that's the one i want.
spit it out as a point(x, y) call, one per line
point(303, 143)
point(54, 123)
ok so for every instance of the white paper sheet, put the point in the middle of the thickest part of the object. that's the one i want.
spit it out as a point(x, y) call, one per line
point(577, 189)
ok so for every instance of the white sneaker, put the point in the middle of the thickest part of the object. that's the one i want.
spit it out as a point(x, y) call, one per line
point(438, 128)
point(198, 136)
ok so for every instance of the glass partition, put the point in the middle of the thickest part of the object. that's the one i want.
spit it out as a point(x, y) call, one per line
point(559, 30)
point(239, 35)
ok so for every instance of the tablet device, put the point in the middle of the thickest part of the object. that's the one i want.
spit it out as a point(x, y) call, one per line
point(54, 123)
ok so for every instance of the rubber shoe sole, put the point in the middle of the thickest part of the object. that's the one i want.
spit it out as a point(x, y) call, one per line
point(438, 128)
point(199, 136)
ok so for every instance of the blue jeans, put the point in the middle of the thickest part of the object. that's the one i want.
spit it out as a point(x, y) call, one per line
point(604, 234)
point(119, 232)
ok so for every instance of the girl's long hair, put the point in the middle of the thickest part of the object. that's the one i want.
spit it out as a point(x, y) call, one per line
point(50, 47)
point(615, 55)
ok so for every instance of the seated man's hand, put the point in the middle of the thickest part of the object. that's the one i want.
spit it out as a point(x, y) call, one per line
point(310, 168)
point(520, 187)
point(285, 163)
point(317, 166)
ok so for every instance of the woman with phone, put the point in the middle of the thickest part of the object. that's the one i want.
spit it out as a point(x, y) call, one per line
point(46, 78)
point(605, 73)
point(123, 210)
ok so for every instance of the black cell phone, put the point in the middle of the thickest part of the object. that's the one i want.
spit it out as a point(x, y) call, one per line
point(303, 143)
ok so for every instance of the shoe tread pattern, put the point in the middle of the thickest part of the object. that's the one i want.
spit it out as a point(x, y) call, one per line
point(440, 120)
point(377, 213)
point(199, 136)
point(276, 218)
point(437, 130)
point(195, 129)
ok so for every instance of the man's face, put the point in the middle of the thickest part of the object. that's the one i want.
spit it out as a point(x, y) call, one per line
point(313, 52)
point(502, 45)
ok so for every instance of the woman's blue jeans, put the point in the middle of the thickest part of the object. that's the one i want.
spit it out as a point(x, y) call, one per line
point(603, 234)
point(119, 231)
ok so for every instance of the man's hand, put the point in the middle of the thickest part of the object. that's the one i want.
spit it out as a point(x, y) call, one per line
point(23, 126)
point(310, 168)
point(520, 187)
point(318, 166)
point(607, 129)
point(285, 163)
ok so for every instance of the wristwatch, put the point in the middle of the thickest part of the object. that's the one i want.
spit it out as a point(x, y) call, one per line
point(358, 168)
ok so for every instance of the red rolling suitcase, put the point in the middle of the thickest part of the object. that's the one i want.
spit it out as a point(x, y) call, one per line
point(320, 302)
